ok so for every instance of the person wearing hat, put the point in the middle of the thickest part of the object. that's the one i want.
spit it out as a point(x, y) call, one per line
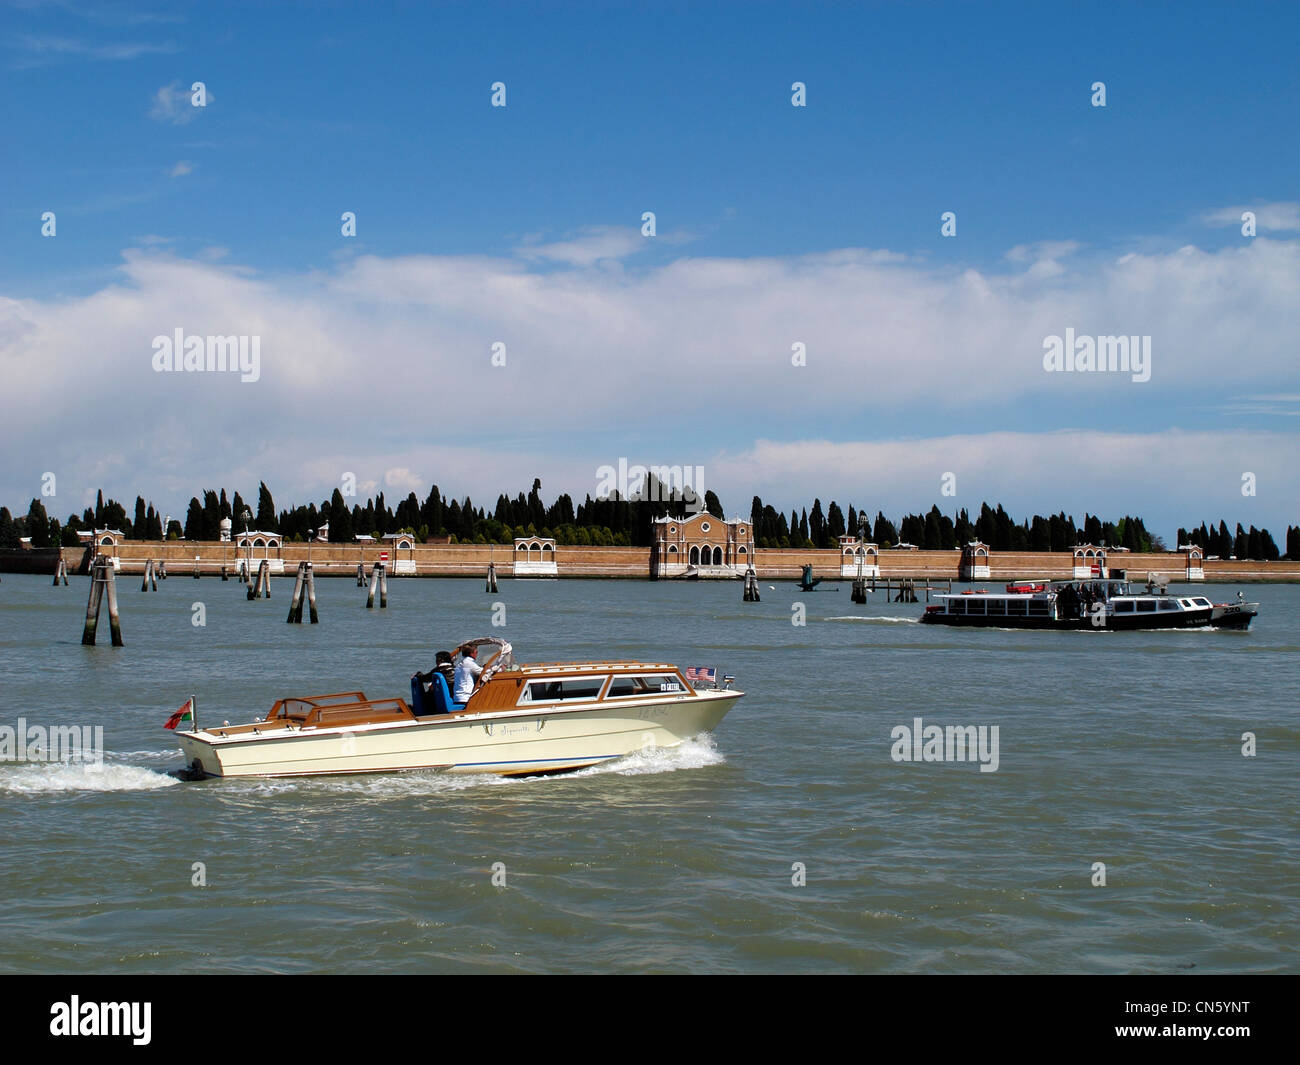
point(467, 671)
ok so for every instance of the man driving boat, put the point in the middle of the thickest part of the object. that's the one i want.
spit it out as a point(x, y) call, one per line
point(467, 673)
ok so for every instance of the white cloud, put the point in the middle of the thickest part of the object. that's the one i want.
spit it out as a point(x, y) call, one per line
point(383, 367)
point(1192, 474)
point(41, 49)
point(171, 103)
point(401, 478)
point(1269, 217)
point(592, 245)
point(180, 169)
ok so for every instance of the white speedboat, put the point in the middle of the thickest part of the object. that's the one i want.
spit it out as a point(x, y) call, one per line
point(521, 720)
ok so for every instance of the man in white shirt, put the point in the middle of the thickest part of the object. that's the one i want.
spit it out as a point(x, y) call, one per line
point(467, 671)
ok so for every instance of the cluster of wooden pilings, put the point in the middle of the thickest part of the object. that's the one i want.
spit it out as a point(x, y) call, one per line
point(491, 579)
point(102, 583)
point(306, 580)
point(751, 586)
point(901, 591)
point(262, 585)
point(60, 572)
point(150, 577)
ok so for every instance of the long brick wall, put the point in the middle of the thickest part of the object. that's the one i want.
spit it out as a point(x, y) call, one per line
point(471, 560)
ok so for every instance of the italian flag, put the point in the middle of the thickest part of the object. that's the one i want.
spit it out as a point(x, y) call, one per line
point(184, 714)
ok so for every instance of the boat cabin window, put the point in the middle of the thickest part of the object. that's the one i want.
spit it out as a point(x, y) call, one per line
point(956, 606)
point(1039, 608)
point(1146, 605)
point(1186, 602)
point(1124, 606)
point(975, 606)
point(562, 690)
point(1201, 602)
point(1017, 607)
point(997, 606)
point(1168, 604)
point(627, 687)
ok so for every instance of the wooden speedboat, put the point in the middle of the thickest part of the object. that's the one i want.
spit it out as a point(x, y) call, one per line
point(521, 720)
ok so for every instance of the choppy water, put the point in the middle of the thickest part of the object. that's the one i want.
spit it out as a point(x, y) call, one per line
point(1115, 748)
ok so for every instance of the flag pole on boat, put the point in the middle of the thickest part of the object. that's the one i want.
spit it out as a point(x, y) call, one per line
point(194, 714)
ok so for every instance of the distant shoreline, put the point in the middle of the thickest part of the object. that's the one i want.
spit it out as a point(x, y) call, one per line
point(625, 563)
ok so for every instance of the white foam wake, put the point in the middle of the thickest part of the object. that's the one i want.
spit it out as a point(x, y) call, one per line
point(46, 777)
point(689, 754)
point(875, 617)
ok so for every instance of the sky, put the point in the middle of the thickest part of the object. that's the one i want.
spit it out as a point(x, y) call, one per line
point(798, 324)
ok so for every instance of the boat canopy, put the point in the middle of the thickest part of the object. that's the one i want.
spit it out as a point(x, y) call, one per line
point(503, 659)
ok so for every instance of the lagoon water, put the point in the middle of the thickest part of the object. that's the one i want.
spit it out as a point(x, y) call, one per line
point(1120, 748)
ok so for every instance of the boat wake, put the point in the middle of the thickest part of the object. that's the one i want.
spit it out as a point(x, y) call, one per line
point(51, 777)
point(879, 618)
point(689, 754)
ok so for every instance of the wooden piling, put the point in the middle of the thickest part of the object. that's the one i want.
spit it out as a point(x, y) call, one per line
point(295, 602)
point(361, 574)
point(311, 595)
point(114, 622)
point(102, 580)
point(859, 594)
point(162, 570)
point(751, 586)
point(60, 571)
point(224, 575)
point(372, 587)
point(261, 585)
point(491, 579)
point(383, 586)
point(92, 605)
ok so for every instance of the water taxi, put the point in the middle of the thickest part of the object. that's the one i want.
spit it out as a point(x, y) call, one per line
point(1106, 603)
point(521, 720)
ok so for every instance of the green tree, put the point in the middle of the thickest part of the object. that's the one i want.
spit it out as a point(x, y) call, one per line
point(266, 520)
point(38, 524)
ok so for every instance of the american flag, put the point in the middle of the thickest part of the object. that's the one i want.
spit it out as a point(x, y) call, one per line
point(702, 674)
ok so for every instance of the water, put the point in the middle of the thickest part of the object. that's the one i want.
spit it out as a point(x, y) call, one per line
point(1115, 748)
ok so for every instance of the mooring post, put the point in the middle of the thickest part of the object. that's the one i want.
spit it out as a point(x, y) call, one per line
point(751, 586)
point(311, 595)
point(491, 578)
point(114, 622)
point(60, 570)
point(383, 586)
point(361, 574)
point(295, 602)
point(162, 570)
point(372, 587)
point(224, 575)
point(92, 606)
point(264, 579)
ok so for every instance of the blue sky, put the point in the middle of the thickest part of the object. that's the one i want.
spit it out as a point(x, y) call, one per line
point(1068, 215)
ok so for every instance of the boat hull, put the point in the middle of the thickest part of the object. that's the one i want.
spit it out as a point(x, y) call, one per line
point(514, 743)
point(1209, 617)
